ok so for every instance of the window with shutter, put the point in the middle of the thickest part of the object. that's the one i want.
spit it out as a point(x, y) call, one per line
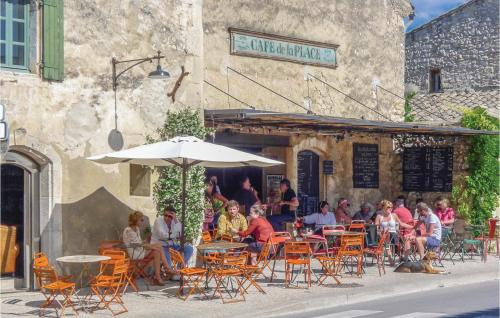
point(14, 43)
point(53, 40)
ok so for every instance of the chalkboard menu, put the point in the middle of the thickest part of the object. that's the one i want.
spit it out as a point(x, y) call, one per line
point(327, 167)
point(365, 166)
point(428, 169)
point(307, 181)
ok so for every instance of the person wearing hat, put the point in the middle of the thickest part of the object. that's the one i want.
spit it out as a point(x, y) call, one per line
point(341, 213)
point(365, 214)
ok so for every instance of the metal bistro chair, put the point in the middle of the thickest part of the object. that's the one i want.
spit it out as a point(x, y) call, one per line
point(297, 253)
point(277, 239)
point(351, 249)
point(231, 274)
point(492, 236)
point(377, 252)
point(51, 287)
point(191, 277)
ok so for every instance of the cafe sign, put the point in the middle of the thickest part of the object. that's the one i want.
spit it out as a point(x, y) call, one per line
point(255, 44)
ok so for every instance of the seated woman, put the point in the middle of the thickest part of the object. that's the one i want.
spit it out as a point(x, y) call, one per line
point(341, 214)
point(324, 217)
point(446, 215)
point(137, 249)
point(260, 230)
point(387, 221)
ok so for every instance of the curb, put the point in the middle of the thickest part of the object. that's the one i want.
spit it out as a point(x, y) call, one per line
point(353, 297)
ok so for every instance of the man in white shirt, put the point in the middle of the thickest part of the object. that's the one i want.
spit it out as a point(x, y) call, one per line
point(432, 238)
point(325, 217)
point(167, 232)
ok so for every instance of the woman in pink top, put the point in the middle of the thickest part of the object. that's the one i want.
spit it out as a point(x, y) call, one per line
point(444, 212)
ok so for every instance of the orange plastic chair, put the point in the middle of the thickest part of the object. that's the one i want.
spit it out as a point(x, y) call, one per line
point(378, 252)
point(206, 237)
point(231, 273)
point(277, 239)
point(493, 236)
point(252, 272)
point(109, 289)
point(51, 287)
point(191, 277)
point(297, 253)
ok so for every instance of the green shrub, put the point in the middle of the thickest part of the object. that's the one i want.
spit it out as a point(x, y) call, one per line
point(476, 195)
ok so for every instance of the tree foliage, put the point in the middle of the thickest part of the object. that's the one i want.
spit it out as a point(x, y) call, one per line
point(476, 196)
point(409, 114)
point(167, 190)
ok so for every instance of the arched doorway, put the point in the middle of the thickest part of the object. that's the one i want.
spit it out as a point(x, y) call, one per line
point(308, 181)
point(20, 184)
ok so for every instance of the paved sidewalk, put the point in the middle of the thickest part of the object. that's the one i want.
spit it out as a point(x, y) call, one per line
point(278, 300)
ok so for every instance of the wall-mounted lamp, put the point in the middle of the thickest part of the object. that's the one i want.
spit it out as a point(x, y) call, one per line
point(159, 73)
point(115, 138)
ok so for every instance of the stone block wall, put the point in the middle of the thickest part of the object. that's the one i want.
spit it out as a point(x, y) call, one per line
point(463, 44)
point(371, 51)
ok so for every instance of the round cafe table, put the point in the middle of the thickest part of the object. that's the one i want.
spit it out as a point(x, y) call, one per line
point(220, 246)
point(85, 260)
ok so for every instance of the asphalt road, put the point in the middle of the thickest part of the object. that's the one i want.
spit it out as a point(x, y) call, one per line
point(474, 300)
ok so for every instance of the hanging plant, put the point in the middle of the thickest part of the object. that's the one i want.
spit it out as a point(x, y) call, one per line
point(167, 190)
point(476, 195)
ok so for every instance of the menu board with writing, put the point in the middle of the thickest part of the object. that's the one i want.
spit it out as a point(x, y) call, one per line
point(428, 169)
point(307, 181)
point(365, 166)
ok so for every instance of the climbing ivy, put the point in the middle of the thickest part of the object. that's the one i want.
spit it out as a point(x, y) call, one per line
point(168, 188)
point(476, 195)
point(409, 115)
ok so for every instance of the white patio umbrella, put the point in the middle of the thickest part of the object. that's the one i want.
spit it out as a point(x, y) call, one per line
point(185, 152)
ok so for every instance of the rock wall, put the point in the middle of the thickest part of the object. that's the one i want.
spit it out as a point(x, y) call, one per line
point(463, 44)
point(361, 29)
point(70, 120)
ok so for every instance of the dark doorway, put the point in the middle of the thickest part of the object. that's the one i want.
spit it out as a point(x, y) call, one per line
point(12, 206)
point(308, 182)
point(229, 178)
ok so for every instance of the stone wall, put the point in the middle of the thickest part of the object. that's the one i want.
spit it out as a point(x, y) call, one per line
point(340, 184)
point(463, 44)
point(70, 120)
point(361, 29)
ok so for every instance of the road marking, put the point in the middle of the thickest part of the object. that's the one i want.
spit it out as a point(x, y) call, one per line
point(421, 315)
point(350, 314)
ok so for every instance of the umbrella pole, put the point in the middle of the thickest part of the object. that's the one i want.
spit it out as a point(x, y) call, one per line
point(184, 168)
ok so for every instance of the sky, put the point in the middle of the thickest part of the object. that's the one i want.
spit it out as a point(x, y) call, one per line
point(426, 10)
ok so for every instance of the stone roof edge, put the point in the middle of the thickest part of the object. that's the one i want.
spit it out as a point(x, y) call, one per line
point(446, 14)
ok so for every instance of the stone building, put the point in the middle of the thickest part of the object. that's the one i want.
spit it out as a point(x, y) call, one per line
point(310, 72)
point(452, 62)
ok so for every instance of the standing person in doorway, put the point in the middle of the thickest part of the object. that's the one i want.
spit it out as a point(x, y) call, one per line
point(215, 183)
point(288, 206)
point(246, 196)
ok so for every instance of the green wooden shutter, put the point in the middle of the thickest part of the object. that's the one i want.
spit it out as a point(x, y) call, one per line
point(53, 40)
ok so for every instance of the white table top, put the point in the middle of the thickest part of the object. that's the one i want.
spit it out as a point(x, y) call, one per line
point(83, 258)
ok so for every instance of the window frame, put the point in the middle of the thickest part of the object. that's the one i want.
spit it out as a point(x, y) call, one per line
point(9, 41)
point(433, 73)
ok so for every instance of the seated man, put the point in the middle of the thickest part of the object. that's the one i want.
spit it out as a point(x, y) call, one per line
point(288, 206)
point(231, 222)
point(324, 217)
point(432, 239)
point(167, 232)
point(366, 213)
